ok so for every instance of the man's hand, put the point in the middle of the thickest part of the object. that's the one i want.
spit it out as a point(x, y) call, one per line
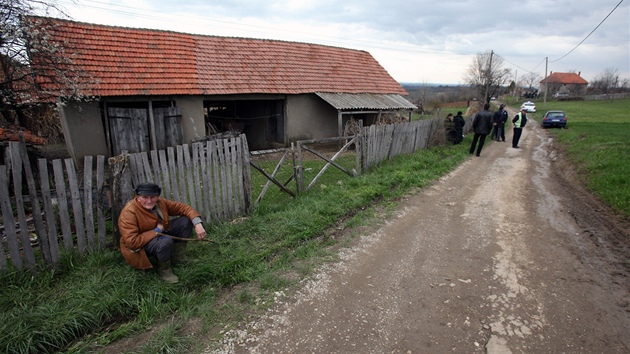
point(201, 232)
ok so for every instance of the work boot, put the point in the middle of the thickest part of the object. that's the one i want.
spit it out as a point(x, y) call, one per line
point(164, 271)
point(179, 255)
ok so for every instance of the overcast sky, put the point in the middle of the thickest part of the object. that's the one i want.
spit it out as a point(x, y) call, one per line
point(423, 41)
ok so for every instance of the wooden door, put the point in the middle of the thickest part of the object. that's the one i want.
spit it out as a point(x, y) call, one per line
point(129, 130)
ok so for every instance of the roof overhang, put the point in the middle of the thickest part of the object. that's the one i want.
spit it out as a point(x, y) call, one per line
point(366, 101)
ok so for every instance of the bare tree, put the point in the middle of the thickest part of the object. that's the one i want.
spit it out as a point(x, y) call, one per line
point(486, 75)
point(530, 79)
point(606, 82)
point(34, 70)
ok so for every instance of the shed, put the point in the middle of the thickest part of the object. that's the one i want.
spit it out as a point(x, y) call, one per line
point(155, 88)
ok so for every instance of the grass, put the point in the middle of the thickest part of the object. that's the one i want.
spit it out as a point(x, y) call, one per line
point(91, 301)
point(597, 142)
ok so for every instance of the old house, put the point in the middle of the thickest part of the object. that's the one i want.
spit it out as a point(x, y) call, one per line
point(569, 83)
point(154, 88)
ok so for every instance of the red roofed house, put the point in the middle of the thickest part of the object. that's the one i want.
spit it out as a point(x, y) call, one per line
point(156, 88)
point(570, 83)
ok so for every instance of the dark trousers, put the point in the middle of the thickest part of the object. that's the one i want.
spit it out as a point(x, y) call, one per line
point(482, 139)
point(161, 247)
point(499, 133)
point(516, 137)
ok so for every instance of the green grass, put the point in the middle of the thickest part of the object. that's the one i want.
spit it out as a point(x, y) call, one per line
point(597, 141)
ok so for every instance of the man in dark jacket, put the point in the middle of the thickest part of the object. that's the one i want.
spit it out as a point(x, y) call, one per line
point(482, 125)
point(458, 125)
point(499, 118)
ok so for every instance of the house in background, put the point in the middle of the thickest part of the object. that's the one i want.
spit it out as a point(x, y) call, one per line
point(566, 83)
point(156, 88)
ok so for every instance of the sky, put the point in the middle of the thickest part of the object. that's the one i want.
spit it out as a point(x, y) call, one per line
point(416, 41)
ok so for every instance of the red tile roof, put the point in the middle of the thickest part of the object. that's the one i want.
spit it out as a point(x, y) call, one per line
point(564, 78)
point(129, 61)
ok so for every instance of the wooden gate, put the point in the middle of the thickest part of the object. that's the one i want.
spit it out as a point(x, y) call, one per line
point(129, 130)
point(168, 127)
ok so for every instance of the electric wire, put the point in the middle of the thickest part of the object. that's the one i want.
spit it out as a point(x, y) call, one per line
point(585, 38)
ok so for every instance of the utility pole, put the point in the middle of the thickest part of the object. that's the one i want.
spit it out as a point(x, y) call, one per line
point(488, 77)
point(515, 83)
point(546, 83)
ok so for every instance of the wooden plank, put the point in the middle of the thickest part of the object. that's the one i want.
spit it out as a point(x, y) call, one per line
point(62, 204)
point(234, 190)
point(88, 207)
point(273, 176)
point(166, 183)
point(196, 163)
point(181, 175)
point(173, 171)
point(51, 222)
point(146, 167)
point(330, 161)
point(135, 176)
point(227, 147)
point(38, 219)
point(77, 209)
point(223, 178)
point(9, 223)
point(216, 180)
point(101, 201)
point(205, 182)
point(188, 171)
point(155, 164)
point(16, 168)
point(140, 129)
point(247, 177)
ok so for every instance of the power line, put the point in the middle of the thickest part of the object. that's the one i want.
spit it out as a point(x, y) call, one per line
point(610, 13)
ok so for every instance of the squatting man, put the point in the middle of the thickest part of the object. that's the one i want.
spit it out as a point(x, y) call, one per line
point(147, 228)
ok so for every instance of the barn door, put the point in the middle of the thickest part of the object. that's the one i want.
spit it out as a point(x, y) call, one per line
point(129, 129)
point(168, 127)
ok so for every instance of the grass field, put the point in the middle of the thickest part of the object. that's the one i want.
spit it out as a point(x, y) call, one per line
point(597, 142)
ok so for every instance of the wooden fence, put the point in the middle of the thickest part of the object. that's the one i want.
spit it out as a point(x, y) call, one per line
point(41, 220)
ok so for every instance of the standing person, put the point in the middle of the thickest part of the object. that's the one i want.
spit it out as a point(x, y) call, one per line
point(519, 122)
point(458, 124)
point(482, 125)
point(145, 223)
point(449, 126)
point(499, 118)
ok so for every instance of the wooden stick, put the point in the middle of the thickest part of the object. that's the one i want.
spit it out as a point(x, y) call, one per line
point(185, 239)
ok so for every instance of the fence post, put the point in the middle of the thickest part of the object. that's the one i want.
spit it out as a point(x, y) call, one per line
point(122, 189)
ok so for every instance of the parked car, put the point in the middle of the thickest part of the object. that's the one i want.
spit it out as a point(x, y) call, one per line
point(529, 106)
point(560, 95)
point(554, 119)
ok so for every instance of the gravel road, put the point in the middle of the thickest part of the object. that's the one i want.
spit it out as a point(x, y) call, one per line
point(503, 255)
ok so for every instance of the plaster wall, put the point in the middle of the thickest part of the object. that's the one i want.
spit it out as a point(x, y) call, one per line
point(83, 130)
point(193, 124)
point(309, 117)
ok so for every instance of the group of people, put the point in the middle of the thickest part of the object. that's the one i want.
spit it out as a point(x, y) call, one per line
point(484, 123)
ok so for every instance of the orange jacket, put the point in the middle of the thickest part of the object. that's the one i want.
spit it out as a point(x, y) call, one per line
point(137, 224)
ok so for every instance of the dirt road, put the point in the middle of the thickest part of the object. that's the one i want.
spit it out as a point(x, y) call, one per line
point(502, 255)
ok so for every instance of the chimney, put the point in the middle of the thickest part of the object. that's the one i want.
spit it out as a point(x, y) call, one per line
point(579, 73)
